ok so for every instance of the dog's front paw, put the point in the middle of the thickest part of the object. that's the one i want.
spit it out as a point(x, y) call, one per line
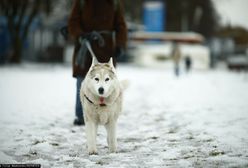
point(112, 149)
point(92, 152)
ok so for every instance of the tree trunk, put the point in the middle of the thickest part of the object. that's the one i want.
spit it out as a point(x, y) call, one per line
point(17, 51)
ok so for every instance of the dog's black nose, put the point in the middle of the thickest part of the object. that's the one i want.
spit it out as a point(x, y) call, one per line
point(101, 90)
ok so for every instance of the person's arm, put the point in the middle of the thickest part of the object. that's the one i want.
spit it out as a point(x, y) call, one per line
point(74, 22)
point(120, 26)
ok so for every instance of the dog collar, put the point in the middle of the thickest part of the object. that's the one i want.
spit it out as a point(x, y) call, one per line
point(101, 101)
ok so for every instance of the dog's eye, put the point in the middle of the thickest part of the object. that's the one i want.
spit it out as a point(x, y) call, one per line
point(107, 79)
point(97, 79)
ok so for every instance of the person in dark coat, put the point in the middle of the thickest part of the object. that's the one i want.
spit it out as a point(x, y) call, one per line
point(88, 18)
point(188, 63)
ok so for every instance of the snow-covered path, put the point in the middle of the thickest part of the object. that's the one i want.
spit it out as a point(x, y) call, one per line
point(197, 120)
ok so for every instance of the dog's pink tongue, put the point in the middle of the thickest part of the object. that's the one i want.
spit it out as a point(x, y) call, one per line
point(101, 100)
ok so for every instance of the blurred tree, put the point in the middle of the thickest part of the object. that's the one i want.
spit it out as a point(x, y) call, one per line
point(20, 15)
point(208, 23)
point(239, 34)
point(192, 15)
point(134, 10)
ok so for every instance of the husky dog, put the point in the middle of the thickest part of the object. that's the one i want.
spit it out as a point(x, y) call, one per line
point(101, 97)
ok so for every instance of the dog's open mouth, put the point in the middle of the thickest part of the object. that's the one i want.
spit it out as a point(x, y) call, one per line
point(101, 99)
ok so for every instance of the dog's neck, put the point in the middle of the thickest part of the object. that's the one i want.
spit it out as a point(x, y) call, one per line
point(101, 99)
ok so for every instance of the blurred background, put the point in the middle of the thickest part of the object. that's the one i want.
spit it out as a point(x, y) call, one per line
point(209, 32)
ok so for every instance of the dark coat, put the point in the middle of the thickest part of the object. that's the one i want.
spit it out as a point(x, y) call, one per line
point(97, 15)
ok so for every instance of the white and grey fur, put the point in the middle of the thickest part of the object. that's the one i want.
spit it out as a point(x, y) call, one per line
point(101, 96)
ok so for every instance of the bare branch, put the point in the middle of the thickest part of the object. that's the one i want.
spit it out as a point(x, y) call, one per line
point(23, 8)
point(35, 9)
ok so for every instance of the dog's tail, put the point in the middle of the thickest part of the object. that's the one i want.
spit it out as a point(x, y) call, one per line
point(124, 84)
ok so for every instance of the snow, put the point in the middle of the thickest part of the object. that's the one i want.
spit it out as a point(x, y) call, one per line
point(197, 120)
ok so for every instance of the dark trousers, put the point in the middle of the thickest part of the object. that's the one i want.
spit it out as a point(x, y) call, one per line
point(79, 109)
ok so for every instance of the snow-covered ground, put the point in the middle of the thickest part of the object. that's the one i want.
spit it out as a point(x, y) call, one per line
point(197, 120)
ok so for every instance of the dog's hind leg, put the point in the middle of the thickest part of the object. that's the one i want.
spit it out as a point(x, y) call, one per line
point(91, 129)
point(111, 135)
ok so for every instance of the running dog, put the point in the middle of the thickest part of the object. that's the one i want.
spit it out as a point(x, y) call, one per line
point(101, 96)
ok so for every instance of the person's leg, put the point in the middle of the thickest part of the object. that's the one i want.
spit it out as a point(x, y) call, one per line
point(176, 69)
point(79, 110)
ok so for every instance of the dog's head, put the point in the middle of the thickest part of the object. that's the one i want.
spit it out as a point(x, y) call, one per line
point(102, 78)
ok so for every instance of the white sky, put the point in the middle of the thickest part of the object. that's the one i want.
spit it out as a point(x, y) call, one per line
point(233, 11)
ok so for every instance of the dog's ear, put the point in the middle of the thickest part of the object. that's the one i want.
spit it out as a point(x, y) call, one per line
point(94, 62)
point(111, 62)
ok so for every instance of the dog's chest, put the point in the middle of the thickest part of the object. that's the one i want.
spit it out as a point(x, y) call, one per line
point(103, 115)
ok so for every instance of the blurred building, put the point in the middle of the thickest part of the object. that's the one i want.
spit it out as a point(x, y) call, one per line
point(154, 49)
point(152, 46)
